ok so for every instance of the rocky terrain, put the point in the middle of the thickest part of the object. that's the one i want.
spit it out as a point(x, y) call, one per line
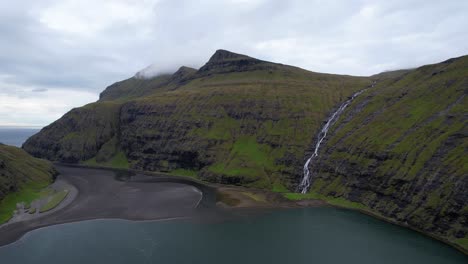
point(398, 149)
point(236, 120)
point(401, 150)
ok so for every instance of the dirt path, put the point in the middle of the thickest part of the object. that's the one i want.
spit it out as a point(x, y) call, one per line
point(59, 185)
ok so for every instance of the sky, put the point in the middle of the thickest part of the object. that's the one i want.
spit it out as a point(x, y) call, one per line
point(60, 54)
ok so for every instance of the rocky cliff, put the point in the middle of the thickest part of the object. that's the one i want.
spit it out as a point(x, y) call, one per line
point(236, 120)
point(401, 149)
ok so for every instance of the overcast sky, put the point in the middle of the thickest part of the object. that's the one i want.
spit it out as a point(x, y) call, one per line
point(59, 54)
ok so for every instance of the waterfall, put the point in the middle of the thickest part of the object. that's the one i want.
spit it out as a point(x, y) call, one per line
point(305, 183)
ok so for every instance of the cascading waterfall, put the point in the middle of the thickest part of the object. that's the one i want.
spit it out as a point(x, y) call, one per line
point(305, 183)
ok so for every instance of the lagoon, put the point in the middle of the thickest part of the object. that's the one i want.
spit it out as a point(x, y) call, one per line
point(307, 235)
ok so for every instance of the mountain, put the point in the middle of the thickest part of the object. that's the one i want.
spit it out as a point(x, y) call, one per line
point(236, 120)
point(398, 150)
point(20, 175)
point(401, 150)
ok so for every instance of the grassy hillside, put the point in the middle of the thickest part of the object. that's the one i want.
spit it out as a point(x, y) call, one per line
point(236, 120)
point(401, 150)
point(79, 135)
point(21, 178)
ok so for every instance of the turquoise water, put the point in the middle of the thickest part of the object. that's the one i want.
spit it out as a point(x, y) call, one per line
point(16, 136)
point(314, 235)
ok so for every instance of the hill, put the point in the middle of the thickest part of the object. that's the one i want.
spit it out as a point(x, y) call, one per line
point(398, 150)
point(21, 177)
point(236, 120)
point(401, 150)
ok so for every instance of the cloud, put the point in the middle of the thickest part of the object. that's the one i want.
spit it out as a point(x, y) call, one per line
point(82, 46)
point(28, 106)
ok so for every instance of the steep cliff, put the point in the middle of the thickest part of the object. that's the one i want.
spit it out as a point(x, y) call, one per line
point(235, 120)
point(401, 150)
point(79, 135)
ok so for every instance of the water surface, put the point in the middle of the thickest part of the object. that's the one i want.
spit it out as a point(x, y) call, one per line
point(16, 136)
point(314, 235)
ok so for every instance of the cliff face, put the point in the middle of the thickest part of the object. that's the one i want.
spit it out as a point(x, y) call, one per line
point(18, 168)
point(78, 135)
point(236, 120)
point(401, 149)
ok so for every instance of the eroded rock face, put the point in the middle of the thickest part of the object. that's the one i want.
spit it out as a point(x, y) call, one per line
point(236, 120)
point(224, 61)
point(401, 150)
point(78, 135)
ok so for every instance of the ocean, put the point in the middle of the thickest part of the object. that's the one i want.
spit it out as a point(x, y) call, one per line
point(16, 136)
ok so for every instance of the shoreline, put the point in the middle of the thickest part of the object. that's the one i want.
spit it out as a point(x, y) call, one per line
point(247, 198)
point(101, 196)
point(26, 216)
point(390, 221)
point(92, 219)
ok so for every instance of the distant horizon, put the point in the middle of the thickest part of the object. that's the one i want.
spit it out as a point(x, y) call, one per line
point(21, 126)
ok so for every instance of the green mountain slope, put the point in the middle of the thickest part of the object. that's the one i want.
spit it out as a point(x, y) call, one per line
point(401, 150)
point(21, 178)
point(236, 120)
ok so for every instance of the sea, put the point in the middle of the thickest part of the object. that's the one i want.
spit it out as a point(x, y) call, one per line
point(16, 136)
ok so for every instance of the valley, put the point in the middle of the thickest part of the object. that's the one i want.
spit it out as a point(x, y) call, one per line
point(392, 145)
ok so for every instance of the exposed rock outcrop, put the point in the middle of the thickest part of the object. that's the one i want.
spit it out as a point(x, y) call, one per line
point(236, 120)
point(401, 149)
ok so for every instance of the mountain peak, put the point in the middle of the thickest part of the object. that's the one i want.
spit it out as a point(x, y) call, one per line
point(225, 55)
point(182, 74)
point(184, 69)
point(224, 61)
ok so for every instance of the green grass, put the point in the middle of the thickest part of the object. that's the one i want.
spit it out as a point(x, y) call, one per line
point(26, 194)
point(247, 159)
point(463, 242)
point(118, 161)
point(185, 172)
point(248, 148)
point(32, 210)
point(337, 201)
point(278, 187)
point(54, 201)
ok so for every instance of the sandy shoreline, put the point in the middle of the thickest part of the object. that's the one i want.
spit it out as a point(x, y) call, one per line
point(101, 193)
point(139, 196)
point(100, 196)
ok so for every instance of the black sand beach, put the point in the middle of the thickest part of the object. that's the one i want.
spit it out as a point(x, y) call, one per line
point(103, 194)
